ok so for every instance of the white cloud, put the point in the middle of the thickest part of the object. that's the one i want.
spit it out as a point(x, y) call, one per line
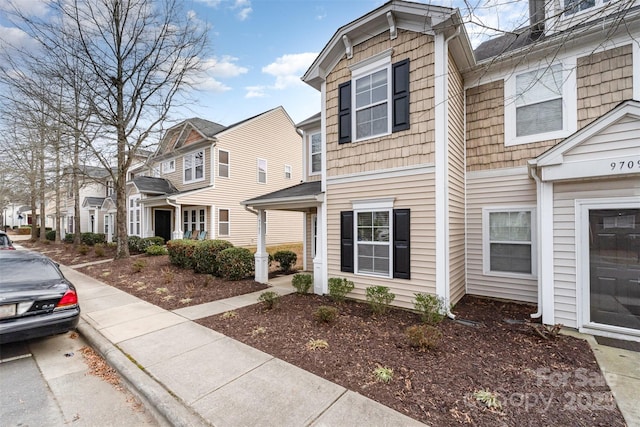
point(490, 18)
point(255, 92)
point(210, 3)
point(244, 13)
point(15, 38)
point(288, 69)
point(224, 67)
point(27, 7)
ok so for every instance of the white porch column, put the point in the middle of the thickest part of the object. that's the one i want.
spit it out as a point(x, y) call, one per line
point(109, 220)
point(261, 256)
point(319, 280)
point(177, 229)
point(146, 220)
point(546, 277)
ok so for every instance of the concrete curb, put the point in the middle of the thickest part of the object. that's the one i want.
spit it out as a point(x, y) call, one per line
point(165, 407)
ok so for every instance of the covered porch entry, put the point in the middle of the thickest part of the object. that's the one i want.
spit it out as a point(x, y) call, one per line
point(306, 197)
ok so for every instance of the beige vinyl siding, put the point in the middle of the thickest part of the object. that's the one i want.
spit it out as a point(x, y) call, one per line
point(506, 188)
point(415, 192)
point(604, 80)
point(177, 177)
point(621, 140)
point(564, 230)
point(273, 137)
point(456, 173)
point(414, 146)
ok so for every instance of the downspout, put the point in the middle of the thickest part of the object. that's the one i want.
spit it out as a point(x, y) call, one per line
point(533, 173)
point(445, 190)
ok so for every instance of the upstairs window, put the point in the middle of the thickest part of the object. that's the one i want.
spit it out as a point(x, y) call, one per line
point(223, 163)
point(169, 166)
point(287, 172)
point(541, 104)
point(572, 7)
point(262, 171)
point(376, 101)
point(194, 167)
point(539, 101)
point(316, 153)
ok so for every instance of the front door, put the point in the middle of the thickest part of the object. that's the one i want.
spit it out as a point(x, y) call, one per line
point(163, 224)
point(614, 260)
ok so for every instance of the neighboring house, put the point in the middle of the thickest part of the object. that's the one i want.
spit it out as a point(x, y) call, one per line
point(96, 186)
point(201, 171)
point(510, 172)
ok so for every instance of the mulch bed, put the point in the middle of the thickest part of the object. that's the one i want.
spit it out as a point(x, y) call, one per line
point(157, 281)
point(537, 381)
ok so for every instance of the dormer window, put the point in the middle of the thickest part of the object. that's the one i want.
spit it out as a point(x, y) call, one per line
point(194, 167)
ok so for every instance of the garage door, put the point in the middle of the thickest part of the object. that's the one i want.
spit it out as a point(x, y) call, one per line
point(614, 253)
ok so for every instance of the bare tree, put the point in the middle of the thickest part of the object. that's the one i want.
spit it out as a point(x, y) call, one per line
point(136, 57)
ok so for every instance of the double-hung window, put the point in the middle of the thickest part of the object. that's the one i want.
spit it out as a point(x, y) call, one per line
point(316, 153)
point(262, 171)
point(373, 247)
point(223, 163)
point(224, 223)
point(134, 215)
point(573, 7)
point(509, 241)
point(375, 239)
point(287, 171)
point(194, 167)
point(375, 102)
point(169, 166)
point(540, 105)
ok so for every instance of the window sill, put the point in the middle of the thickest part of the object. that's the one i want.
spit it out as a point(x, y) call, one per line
point(539, 137)
point(379, 276)
point(508, 275)
point(369, 138)
point(192, 181)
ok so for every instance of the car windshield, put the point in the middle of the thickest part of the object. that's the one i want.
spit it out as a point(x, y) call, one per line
point(26, 270)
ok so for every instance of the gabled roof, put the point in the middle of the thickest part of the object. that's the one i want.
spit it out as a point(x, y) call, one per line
point(152, 185)
point(177, 135)
point(94, 202)
point(313, 120)
point(295, 197)
point(418, 17)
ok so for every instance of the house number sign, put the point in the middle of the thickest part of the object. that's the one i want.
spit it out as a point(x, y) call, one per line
point(625, 165)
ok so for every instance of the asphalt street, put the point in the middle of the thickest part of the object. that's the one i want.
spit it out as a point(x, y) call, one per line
point(47, 382)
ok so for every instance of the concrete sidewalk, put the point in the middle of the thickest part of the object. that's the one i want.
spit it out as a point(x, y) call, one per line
point(191, 375)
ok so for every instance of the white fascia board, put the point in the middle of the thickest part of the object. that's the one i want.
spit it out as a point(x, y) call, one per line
point(592, 169)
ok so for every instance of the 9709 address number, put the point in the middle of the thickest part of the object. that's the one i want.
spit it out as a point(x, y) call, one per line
point(625, 165)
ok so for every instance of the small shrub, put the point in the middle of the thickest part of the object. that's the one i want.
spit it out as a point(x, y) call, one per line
point(431, 308)
point(313, 345)
point(205, 256)
point(269, 299)
point(302, 282)
point(132, 242)
point(98, 250)
point(168, 275)
point(325, 314)
point(83, 249)
point(156, 250)
point(339, 288)
point(258, 331)
point(140, 245)
point(379, 298)
point(383, 374)
point(286, 259)
point(229, 314)
point(423, 336)
point(50, 235)
point(138, 266)
point(181, 252)
point(235, 263)
point(68, 238)
point(91, 239)
point(488, 399)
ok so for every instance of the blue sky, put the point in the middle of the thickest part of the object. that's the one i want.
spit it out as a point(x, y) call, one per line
point(259, 49)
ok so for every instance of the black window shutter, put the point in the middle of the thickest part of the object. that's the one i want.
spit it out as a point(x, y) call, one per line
point(401, 239)
point(346, 241)
point(344, 113)
point(400, 95)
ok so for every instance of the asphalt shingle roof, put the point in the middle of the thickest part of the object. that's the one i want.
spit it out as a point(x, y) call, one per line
point(149, 184)
point(311, 188)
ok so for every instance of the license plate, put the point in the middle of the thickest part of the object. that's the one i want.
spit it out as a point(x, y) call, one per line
point(7, 310)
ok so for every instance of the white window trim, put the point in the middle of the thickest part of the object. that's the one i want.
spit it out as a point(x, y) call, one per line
point(226, 222)
point(486, 252)
point(258, 171)
point(204, 171)
point(311, 153)
point(169, 166)
point(569, 105)
point(583, 300)
point(369, 66)
point(105, 225)
point(132, 215)
point(228, 164)
point(372, 205)
point(288, 170)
